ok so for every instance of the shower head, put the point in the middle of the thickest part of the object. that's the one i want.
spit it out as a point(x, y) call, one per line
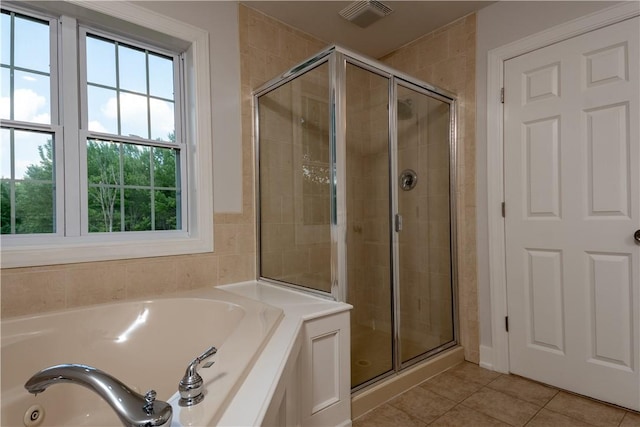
point(405, 109)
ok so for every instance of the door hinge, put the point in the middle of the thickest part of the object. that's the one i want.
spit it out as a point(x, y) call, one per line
point(502, 95)
point(506, 323)
point(503, 210)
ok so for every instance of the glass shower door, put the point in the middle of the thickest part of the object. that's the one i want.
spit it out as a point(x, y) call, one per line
point(424, 291)
point(368, 227)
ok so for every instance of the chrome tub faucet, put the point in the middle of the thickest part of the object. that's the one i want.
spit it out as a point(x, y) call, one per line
point(191, 386)
point(133, 409)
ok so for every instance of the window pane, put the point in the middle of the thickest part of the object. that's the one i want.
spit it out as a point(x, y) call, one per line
point(31, 97)
point(34, 158)
point(164, 163)
point(5, 34)
point(137, 210)
point(102, 107)
point(166, 202)
point(104, 209)
point(34, 182)
point(35, 203)
point(5, 153)
point(5, 207)
point(132, 69)
point(103, 162)
point(101, 62)
point(133, 115)
point(137, 167)
point(5, 101)
point(161, 77)
point(31, 44)
point(162, 118)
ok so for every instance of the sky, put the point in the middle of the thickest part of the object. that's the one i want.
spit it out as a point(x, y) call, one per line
point(32, 99)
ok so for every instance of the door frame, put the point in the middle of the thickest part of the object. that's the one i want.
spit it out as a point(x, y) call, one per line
point(498, 356)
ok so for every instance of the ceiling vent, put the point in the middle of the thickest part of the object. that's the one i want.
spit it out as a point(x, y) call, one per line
point(365, 12)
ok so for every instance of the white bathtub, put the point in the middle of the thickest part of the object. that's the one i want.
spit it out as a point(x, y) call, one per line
point(146, 344)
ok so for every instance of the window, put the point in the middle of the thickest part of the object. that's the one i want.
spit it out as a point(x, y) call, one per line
point(133, 151)
point(108, 169)
point(27, 173)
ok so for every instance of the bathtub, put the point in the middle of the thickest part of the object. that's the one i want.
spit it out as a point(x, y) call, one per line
point(146, 344)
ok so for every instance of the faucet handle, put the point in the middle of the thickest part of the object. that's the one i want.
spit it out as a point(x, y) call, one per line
point(207, 354)
point(192, 369)
point(191, 385)
point(149, 398)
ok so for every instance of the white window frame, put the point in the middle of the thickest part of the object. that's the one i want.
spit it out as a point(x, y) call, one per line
point(71, 245)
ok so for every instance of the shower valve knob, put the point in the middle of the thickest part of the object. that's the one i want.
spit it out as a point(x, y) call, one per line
point(408, 179)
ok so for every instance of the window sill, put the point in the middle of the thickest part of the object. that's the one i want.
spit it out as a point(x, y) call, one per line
point(29, 252)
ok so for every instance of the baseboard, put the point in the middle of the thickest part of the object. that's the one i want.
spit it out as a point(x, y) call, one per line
point(486, 357)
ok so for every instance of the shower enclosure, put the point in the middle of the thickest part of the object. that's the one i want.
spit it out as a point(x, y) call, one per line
point(355, 177)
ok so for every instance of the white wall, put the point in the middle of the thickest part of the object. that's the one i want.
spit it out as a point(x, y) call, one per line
point(497, 25)
point(220, 19)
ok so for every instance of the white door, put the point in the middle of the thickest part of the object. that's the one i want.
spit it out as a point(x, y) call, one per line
point(572, 193)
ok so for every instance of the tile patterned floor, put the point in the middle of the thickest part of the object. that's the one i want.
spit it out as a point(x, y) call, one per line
point(467, 395)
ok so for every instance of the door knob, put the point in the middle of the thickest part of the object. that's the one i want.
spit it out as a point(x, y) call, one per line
point(636, 236)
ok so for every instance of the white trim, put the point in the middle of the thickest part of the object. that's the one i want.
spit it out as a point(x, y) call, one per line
point(70, 123)
point(495, 183)
point(39, 250)
point(486, 357)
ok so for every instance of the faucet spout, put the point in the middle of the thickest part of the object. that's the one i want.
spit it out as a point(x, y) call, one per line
point(133, 409)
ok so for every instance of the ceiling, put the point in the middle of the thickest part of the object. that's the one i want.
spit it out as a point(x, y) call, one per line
point(408, 21)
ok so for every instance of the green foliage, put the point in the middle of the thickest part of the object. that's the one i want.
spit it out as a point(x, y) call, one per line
point(5, 207)
point(34, 197)
point(120, 178)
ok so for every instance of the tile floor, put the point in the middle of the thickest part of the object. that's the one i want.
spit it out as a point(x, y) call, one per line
point(467, 395)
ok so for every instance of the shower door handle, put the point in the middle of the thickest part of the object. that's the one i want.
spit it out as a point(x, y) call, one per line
point(398, 223)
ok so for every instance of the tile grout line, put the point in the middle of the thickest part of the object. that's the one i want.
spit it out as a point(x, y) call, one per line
point(468, 407)
point(473, 409)
point(569, 416)
point(534, 415)
point(558, 391)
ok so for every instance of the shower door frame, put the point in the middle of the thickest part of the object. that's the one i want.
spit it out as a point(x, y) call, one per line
point(453, 236)
point(337, 58)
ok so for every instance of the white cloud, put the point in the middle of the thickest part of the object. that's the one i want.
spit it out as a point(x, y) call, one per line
point(96, 126)
point(27, 106)
point(133, 115)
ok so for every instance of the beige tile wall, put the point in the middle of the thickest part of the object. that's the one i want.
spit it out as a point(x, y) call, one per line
point(268, 48)
point(446, 58)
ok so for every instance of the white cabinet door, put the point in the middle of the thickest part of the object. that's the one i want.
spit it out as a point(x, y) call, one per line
point(572, 193)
